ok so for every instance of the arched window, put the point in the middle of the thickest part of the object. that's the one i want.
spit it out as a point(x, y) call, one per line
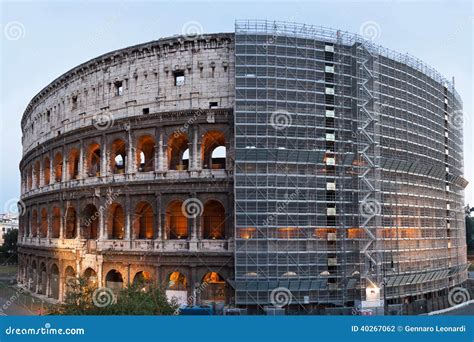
point(58, 167)
point(114, 280)
point(177, 281)
point(118, 156)
point(54, 282)
point(34, 223)
point(143, 221)
point(93, 160)
point(90, 222)
point(56, 222)
point(91, 277)
point(73, 163)
point(47, 170)
point(44, 223)
point(214, 289)
point(213, 150)
point(116, 222)
point(36, 172)
point(71, 223)
point(177, 146)
point(176, 221)
point(146, 153)
point(213, 220)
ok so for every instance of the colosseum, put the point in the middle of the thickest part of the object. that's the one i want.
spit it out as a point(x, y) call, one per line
point(280, 161)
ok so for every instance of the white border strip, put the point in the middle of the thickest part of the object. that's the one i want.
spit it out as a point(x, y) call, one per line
point(451, 308)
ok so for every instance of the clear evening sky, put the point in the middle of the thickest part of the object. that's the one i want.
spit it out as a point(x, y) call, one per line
point(53, 37)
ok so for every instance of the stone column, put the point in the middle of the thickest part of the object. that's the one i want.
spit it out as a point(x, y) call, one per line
point(64, 175)
point(159, 222)
point(131, 165)
point(81, 162)
point(61, 220)
point(103, 158)
point(128, 234)
point(51, 169)
point(162, 161)
point(102, 233)
point(48, 218)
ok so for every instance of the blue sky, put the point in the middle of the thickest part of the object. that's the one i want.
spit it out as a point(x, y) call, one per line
point(55, 36)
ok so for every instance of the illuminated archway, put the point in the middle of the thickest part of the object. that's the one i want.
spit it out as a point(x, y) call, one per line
point(145, 158)
point(116, 222)
point(44, 223)
point(177, 281)
point(143, 221)
point(34, 223)
point(36, 172)
point(90, 222)
point(71, 223)
point(214, 289)
point(178, 153)
point(91, 277)
point(118, 156)
point(93, 160)
point(213, 220)
point(176, 221)
point(58, 167)
point(73, 163)
point(142, 278)
point(47, 171)
point(55, 222)
point(69, 279)
point(213, 150)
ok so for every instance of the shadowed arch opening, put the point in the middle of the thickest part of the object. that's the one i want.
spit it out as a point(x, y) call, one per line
point(91, 277)
point(56, 222)
point(44, 223)
point(213, 220)
point(145, 153)
point(54, 282)
point(93, 160)
point(69, 278)
point(178, 159)
point(47, 171)
point(36, 172)
point(215, 289)
point(213, 150)
point(143, 221)
point(42, 279)
point(58, 167)
point(176, 221)
point(118, 156)
point(34, 223)
point(114, 280)
point(90, 222)
point(71, 223)
point(116, 222)
point(73, 163)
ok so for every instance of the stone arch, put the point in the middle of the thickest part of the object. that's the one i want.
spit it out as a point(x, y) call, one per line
point(214, 289)
point(142, 277)
point(213, 150)
point(55, 222)
point(71, 223)
point(177, 281)
point(36, 172)
point(90, 222)
point(93, 156)
point(114, 280)
point(176, 221)
point(47, 170)
point(58, 167)
point(54, 282)
point(178, 144)
point(145, 153)
point(34, 223)
point(69, 278)
point(42, 279)
point(213, 220)
point(73, 163)
point(90, 275)
point(118, 156)
point(116, 222)
point(44, 223)
point(143, 221)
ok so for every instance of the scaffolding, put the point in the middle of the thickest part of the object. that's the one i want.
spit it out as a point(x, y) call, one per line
point(341, 191)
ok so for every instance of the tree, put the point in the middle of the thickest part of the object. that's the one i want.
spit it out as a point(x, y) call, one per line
point(137, 299)
point(9, 247)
